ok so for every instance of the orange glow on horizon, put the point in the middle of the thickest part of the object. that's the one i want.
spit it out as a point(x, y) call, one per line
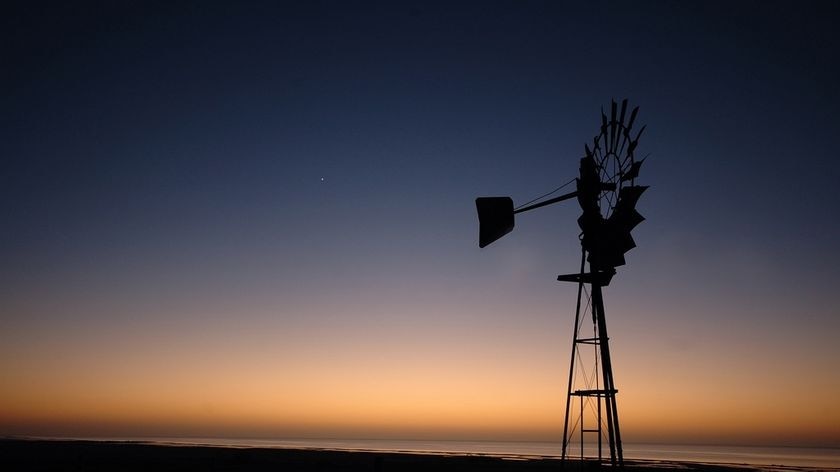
point(470, 382)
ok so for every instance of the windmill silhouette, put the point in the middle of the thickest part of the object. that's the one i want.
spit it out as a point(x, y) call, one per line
point(607, 194)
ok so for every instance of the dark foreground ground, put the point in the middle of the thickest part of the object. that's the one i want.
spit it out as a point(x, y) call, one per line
point(39, 455)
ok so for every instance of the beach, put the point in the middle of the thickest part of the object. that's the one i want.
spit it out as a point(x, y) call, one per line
point(41, 455)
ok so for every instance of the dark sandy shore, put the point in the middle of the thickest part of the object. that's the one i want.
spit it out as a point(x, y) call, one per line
point(47, 455)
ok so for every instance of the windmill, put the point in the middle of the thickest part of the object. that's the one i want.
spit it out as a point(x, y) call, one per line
point(607, 194)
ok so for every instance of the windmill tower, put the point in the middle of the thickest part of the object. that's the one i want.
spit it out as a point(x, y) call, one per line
point(607, 194)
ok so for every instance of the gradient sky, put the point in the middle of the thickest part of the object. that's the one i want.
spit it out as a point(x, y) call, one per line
point(257, 219)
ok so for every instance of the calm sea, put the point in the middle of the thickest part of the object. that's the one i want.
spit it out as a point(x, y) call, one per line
point(788, 456)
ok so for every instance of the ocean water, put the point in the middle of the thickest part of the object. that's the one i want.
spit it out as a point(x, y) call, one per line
point(786, 456)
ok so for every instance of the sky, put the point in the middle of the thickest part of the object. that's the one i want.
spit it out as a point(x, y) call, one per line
point(257, 219)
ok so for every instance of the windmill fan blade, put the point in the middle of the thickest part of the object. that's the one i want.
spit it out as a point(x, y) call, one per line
point(630, 123)
point(634, 169)
point(640, 133)
point(629, 196)
point(632, 147)
point(622, 221)
point(625, 220)
point(603, 122)
point(634, 219)
point(626, 243)
point(623, 111)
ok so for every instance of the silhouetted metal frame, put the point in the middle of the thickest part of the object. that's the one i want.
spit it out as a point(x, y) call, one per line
point(611, 166)
point(596, 279)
